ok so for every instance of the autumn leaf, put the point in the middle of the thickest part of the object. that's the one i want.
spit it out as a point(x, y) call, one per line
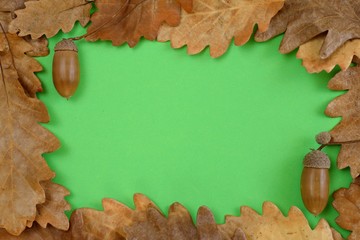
point(309, 52)
point(22, 143)
point(24, 65)
point(347, 107)
point(274, 225)
point(39, 46)
point(37, 233)
point(52, 210)
point(147, 222)
point(346, 202)
point(302, 20)
point(129, 20)
point(108, 224)
point(7, 9)
point(215, 23)
point(49, 16)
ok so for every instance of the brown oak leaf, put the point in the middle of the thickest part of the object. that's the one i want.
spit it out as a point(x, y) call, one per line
point(22, 143)
point(37, 233)
point(108, 224)
point(274, 225)
point(39, 46)
point(215, 23)
point(7, 9)
point(304, 19)
point(128, 20)
point(347, 203)
point(147, 222)
point(49, 16)
point(347, 106)
point(309, 52)
point(25, 66)
point(52, 210)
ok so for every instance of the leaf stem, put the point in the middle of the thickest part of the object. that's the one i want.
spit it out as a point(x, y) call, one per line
point(337, 143)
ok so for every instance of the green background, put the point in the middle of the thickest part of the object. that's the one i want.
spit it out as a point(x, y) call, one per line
point(223, 132)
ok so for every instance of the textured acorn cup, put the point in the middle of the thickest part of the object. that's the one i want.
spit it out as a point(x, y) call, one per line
point(315, 181)
point(323, 138)
point(66, 68)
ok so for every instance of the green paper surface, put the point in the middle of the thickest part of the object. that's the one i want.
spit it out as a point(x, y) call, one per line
point(223, 132)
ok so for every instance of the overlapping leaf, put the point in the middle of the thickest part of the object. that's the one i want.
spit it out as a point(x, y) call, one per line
point(49, 16)
point(347, 106)
point(22, 143)
point(304, 19)
point(347, 203)
point(52, 210)
point(309, 52)
point(215, 23)
point(274, 225)
point(128, 20)
point(24, 65)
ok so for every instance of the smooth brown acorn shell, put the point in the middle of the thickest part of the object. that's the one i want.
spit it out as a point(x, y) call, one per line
point(66, 72)
point(315, 189)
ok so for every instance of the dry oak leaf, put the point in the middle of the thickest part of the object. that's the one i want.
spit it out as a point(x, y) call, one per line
point(86, 223)
point(304, 19)
point(309, 52)
point(179, 225)
point(117, 221)
point(22, 143)
point(26, 66)
point(215, 23)
point(128, 20)
point(274, 225)
point(7, 9)
point(347, 106)
point(52, 210)
point(39, 46)
point(38, 233)
point(49, 16)
point(347, 203)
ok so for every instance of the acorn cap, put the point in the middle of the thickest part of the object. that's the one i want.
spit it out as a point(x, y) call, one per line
point(66, 45)
point(316, 159)
point(323, 138)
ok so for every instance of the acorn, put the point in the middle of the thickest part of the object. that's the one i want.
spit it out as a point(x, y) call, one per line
point(66, 68)
point(315, 181)
point(323, 138)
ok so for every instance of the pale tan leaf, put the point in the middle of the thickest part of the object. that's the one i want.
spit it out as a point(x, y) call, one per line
point(215, 23)
point(310, 54)
point(47, 17)
point(272, 224)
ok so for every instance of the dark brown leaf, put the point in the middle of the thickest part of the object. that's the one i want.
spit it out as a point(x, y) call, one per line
point(128, 20)
point(347, 203)
point(304, 19)
point(347, 107)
